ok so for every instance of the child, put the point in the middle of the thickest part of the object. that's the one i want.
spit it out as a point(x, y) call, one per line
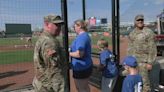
point(133, 81)
point(107, 66)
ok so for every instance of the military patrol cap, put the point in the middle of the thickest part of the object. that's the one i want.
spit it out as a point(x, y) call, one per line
point(53, 19)
point(130, 61)
point(140, 16)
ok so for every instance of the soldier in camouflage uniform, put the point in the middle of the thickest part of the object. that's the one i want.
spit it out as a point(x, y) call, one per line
point(142, 46)
point(48, 58)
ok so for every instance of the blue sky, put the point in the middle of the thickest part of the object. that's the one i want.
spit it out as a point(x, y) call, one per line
point(32, 11)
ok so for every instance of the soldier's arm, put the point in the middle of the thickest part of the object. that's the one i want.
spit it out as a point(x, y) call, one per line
point(54, 54)
point(49, 53)
point(130, 50)
point(152, 50)
point(39, 65)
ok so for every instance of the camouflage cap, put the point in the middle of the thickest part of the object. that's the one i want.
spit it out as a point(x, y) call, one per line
point(140, 16)
point(53, 19)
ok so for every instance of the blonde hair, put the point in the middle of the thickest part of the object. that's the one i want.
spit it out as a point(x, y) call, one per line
point(81, 23)
point(102, 43)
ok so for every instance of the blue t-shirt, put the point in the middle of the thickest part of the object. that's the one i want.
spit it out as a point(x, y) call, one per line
point(82, 43)
point(132, 83)
point(110, 69)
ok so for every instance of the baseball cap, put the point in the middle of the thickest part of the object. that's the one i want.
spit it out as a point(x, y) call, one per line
point(53, 19)
point(130, 61)
point(140, 16)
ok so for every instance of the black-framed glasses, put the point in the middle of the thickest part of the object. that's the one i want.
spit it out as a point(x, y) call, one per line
point(140, 20)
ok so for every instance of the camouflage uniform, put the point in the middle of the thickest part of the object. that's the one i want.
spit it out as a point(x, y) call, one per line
point(49, 65)
point(142, 46)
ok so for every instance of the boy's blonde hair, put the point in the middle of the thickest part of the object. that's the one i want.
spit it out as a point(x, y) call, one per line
point(102, 43)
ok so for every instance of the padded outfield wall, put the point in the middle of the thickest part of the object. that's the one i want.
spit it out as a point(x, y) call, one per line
point(17, 30)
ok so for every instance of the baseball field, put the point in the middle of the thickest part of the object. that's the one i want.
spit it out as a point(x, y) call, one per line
point(17, 50)
point(16, 60)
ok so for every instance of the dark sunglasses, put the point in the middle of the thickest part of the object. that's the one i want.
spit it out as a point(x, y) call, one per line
point(140, 20)
point(58, 24)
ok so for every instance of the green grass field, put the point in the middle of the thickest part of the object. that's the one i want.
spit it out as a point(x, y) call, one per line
point(18, 56)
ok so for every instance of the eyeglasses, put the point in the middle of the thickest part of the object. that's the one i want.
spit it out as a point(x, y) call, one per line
point(140, 20)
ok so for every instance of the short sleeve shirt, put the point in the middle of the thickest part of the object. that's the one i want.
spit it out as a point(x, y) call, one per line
point(82, 43)
point(104, 55)
point(132, 83)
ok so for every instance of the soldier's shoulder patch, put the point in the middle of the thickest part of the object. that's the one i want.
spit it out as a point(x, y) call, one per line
point(50, 52)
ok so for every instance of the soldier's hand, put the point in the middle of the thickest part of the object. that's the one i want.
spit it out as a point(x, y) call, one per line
point(149, 66)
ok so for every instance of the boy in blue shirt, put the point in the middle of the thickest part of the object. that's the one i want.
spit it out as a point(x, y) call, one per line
point(107, 66)
point(133, 81)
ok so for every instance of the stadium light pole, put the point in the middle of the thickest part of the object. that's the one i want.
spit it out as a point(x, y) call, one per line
point(66, 40)
point(83, 9)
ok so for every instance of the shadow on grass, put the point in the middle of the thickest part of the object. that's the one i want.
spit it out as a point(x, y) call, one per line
point(6, 86)
point(11, 73)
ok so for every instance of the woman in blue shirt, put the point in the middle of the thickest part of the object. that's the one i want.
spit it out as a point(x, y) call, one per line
point(81, 57)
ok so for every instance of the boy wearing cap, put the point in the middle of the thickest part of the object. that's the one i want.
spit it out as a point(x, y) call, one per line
point(107, 66)
point(142, 45)
point(49, 65)
point(133, 81)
